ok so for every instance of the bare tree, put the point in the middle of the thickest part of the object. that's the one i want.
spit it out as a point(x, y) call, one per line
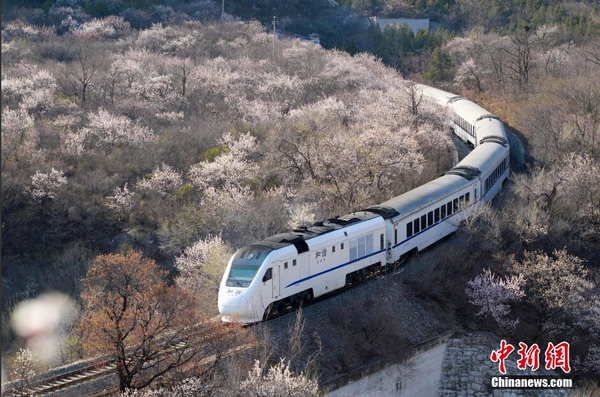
point(519, 55)
point(148, 327)
point(80, 74)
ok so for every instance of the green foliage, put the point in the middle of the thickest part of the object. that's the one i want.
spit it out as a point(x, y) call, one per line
point(395, 43)
point(212, 153)
point(440, 66)
point(184, 192)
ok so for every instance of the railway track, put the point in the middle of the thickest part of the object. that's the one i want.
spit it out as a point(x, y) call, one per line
point(90, 372)
point(104, 367)
point(99, 367)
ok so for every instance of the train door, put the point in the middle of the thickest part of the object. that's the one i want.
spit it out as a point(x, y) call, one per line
point(276, 278)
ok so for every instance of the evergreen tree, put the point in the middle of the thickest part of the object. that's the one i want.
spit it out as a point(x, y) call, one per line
point(440, 66)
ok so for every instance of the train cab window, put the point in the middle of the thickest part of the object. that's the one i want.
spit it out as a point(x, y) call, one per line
point(449, 208)
point(395, 236)
point(332, 249)
point(342, 246)
point(258, 256)
point(294, 262)
point(468, 198)
point(408, 230)
point(443, 208)
point(455, 205)
point(285, 265)
point(430, 218)
point(437, 215)
point(417, 228)
point(423, 222)
point(381, 241)
point(268, 275)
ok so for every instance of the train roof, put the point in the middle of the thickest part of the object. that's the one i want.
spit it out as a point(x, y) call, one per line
point(421, 196)
point(469, 111)
point(441, 97)
point(491, 129)
point(482, 157)
point(299, 236)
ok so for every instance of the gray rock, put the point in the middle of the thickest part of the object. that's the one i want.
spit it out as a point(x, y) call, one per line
point(75, 214)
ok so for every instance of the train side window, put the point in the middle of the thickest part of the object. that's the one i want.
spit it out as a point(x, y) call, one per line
point(361, 246)
point(332, 249)
point(461, 201)
point(417, 228)
point(467, 198)
point(455, 205)
point(409, 229)
point(353, 249)
point(370, 244)
point(437, 215)
point(268, 275)
point(423, 222)
point(395, 236)
point(342, 246)
point(294, 262)
point(285, 265)
point(381, 241)
point(443, 208)
point(449, 208)
point(430, 218)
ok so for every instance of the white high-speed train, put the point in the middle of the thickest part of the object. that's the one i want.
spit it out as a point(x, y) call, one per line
point(312, 261)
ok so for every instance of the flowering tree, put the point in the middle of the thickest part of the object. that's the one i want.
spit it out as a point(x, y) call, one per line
point(47, 185)
point(353, 167)
point(23, 369)
point(188, 387)
point(233, 167)
point(19, 139)
point(278, 381)
point(558, 284)
point(121, 202)
point(581, 176)
point(104, 131)
point(493, 294)
point(164, 181)
point(203, 263)
point(301, 214)
point(32, 88)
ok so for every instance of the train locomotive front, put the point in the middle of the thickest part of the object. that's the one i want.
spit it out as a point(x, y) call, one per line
point(241, 296)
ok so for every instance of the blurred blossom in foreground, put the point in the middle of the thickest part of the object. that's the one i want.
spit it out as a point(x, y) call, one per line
point(38, 321)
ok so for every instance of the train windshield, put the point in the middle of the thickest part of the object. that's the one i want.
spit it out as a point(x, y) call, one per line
point(245, 265)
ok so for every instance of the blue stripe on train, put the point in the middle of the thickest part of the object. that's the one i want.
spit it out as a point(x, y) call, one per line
point(335, 268)
point(383, 250)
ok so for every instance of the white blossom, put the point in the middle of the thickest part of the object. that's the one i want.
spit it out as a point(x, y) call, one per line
point(164, 181)
point(492, 295)
point(233, 167)
point(301, 214)
point(19, 139)
point(47, 185)
point(188, 387)
point(103, 131)
point(22, 370)
point(279, 381)
point(121, 201)
point(203, 263)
